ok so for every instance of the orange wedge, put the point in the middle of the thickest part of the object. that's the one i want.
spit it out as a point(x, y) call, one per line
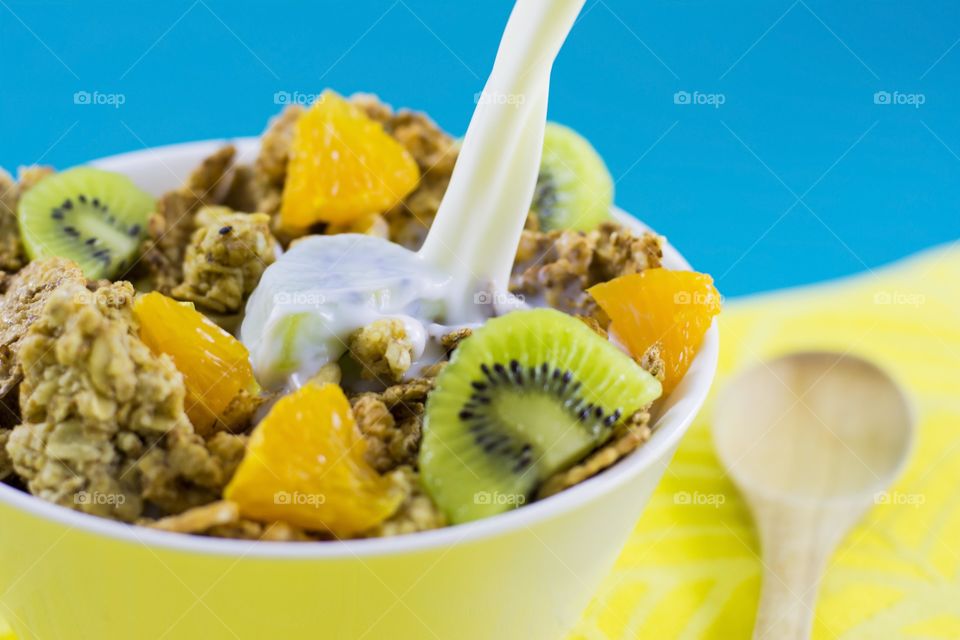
point(342, 166)
point(672, 308)
point(305, 466)
point(215, 365)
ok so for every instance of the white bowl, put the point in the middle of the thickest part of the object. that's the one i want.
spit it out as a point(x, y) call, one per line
point(526, 574)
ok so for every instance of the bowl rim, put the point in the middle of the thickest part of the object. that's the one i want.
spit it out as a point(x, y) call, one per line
point(693, 388)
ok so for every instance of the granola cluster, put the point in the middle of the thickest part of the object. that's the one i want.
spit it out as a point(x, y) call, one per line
point(392, 422)
point(202, 246)
point(270, 169)
point(417, 512)
point(559, 266)
point(11, 250)
point(652, 362)
point(225, 258)
point(383, 349)
point(169, 229)
point(24, 296)
point(23, 301)
point(222, 519)
point(103, 428)
point(6, 464)
point(12, 255)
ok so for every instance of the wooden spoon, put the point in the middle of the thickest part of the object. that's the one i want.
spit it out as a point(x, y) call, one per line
point(813, 440)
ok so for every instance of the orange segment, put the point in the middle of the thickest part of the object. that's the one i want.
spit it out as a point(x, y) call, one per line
point(305, 465)
point(673, 308)
point(215, 365)
point(342, 166)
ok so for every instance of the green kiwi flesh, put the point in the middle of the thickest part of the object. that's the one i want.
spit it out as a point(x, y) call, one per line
point(528, 394)
point(574, 188)
point(96, 218)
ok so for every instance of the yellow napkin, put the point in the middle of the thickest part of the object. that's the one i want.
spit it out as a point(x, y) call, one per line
point(691, 569)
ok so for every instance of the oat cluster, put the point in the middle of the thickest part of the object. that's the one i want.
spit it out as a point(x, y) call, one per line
point(103, 427)
point(559, 266)
point(225, 258)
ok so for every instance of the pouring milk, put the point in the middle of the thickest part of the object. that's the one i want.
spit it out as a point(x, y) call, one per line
point(326, 287)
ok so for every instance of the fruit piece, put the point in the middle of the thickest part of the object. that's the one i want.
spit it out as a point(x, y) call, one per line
point(574, 189)
point(95, 218)
point(305, 465)
point(528, 394)
point(672, 308)
point(342, 166)
point(215, 365)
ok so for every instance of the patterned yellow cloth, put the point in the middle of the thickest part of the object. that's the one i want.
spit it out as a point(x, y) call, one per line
point(691, 568)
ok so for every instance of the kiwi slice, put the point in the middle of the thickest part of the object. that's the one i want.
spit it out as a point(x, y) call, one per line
point(528, 394)
point(574, 188)
point(95, 218)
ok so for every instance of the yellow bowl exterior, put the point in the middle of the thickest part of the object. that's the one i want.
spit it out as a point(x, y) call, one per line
point(525, 584)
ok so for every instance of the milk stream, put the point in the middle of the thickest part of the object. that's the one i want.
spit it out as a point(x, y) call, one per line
point(324, 288)
point(477, 229)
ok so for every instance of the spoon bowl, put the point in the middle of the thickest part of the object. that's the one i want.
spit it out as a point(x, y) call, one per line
point(812, 440)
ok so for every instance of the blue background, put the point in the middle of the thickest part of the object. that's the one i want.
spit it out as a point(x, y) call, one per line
point(798, 176)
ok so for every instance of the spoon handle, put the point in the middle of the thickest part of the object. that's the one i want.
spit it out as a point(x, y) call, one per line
point(797, 541)
point(791, 576)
